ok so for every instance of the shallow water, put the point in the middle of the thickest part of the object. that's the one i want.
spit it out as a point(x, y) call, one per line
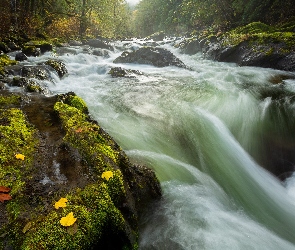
point(206, 132)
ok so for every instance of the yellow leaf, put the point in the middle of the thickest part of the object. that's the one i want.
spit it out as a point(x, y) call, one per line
point(107, 175)
point(68, 220)
point(61, 203)
point(20, 157)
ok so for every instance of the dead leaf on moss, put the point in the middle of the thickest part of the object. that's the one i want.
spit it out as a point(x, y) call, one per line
point(61, 203)
point(3, 194)
point(107, 175)
point(20, 157)
point(4, 197)
point(4, 189)
point(72, 229)
point(27, 227)
point(69, 220)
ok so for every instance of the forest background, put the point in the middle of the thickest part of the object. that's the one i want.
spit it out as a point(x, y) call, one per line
point(116, 18)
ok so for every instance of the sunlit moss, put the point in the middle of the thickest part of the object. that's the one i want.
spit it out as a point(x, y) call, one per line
point(17, 136)
point(5, 61)
point(95, 212)
point(84, 136)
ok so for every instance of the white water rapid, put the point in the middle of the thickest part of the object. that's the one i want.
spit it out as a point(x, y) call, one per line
point(206, 132)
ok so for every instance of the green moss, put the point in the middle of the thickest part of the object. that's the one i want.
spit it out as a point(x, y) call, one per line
point(9, 100)
point(5, 61)
point(95, 212)
point(260, 34)
point(17, 137)
point(84, 135)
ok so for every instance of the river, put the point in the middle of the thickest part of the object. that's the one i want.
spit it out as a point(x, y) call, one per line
point(206, 132)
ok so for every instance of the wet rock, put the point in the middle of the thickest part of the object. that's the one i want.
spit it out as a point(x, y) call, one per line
point(21, 56)
point(158, 57)
point(75, 43)
point(38, 72)
point(31, 51)
point(4, 47)
point(97, 43)
point(101, 52)
point(58, 66)
point(120, 72)
point(159, 36)
point(13, 46)
point(29, 85)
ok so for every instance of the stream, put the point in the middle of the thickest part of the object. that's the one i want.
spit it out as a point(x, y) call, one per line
point(209, 132)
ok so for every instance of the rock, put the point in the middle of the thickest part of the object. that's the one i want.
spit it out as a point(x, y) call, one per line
point(75, 43)
point(13, 46)
point(97, 43)
point(101, 52)
point(67, 155)
point(58, 66)
point(158, 57)
point(37, 72)
point(31, 51)
point(4, 47)
point(287, 63)
point(120, 72)
point(21, 56)
point(29, 85)
point(159, 36)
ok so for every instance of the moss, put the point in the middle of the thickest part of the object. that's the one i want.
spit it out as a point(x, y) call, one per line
point(17, 136)
point(6, 101)
point(5, 61)
point(260, 34)
point(95, 212)
point(83, 135)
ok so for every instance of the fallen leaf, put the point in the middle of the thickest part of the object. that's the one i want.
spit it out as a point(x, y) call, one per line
point(79, 130)
point(4, 189)
point(20, 157)
point(4, 197)
point(72, 229)
point(61, 203)
point(68, 220)
point(107, 175)
point(27, 227)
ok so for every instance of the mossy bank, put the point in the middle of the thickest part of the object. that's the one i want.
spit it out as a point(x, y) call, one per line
point(65, 154)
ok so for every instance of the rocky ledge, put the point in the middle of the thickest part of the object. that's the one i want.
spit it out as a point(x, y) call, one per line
point(64, 182)
point(255, 44)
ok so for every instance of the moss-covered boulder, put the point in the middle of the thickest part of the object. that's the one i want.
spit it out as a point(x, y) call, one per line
point(58, 66)
point(72, 186)
point(120, 72)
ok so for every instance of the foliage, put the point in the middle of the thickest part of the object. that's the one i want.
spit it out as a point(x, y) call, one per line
point(177, 16)
point(65, 18)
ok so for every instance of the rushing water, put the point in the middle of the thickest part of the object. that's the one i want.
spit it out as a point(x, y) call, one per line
point(206, 132)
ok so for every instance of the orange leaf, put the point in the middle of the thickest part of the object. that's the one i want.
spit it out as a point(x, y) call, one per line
point(78, 130)
point(4, 197)
point(4, 189)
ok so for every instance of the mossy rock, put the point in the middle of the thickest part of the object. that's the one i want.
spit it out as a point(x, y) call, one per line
point(58, 66)
point(66, 154)
point(5, 61)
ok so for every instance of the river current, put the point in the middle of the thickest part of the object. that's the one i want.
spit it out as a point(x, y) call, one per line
point(207, 131)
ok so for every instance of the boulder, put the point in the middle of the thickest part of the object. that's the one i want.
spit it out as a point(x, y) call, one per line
point(21, 56)
point(58, 66)
point(158, 57)
point(97, 43)
point(31, 51)
point(120, 72)
point(76, 189)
